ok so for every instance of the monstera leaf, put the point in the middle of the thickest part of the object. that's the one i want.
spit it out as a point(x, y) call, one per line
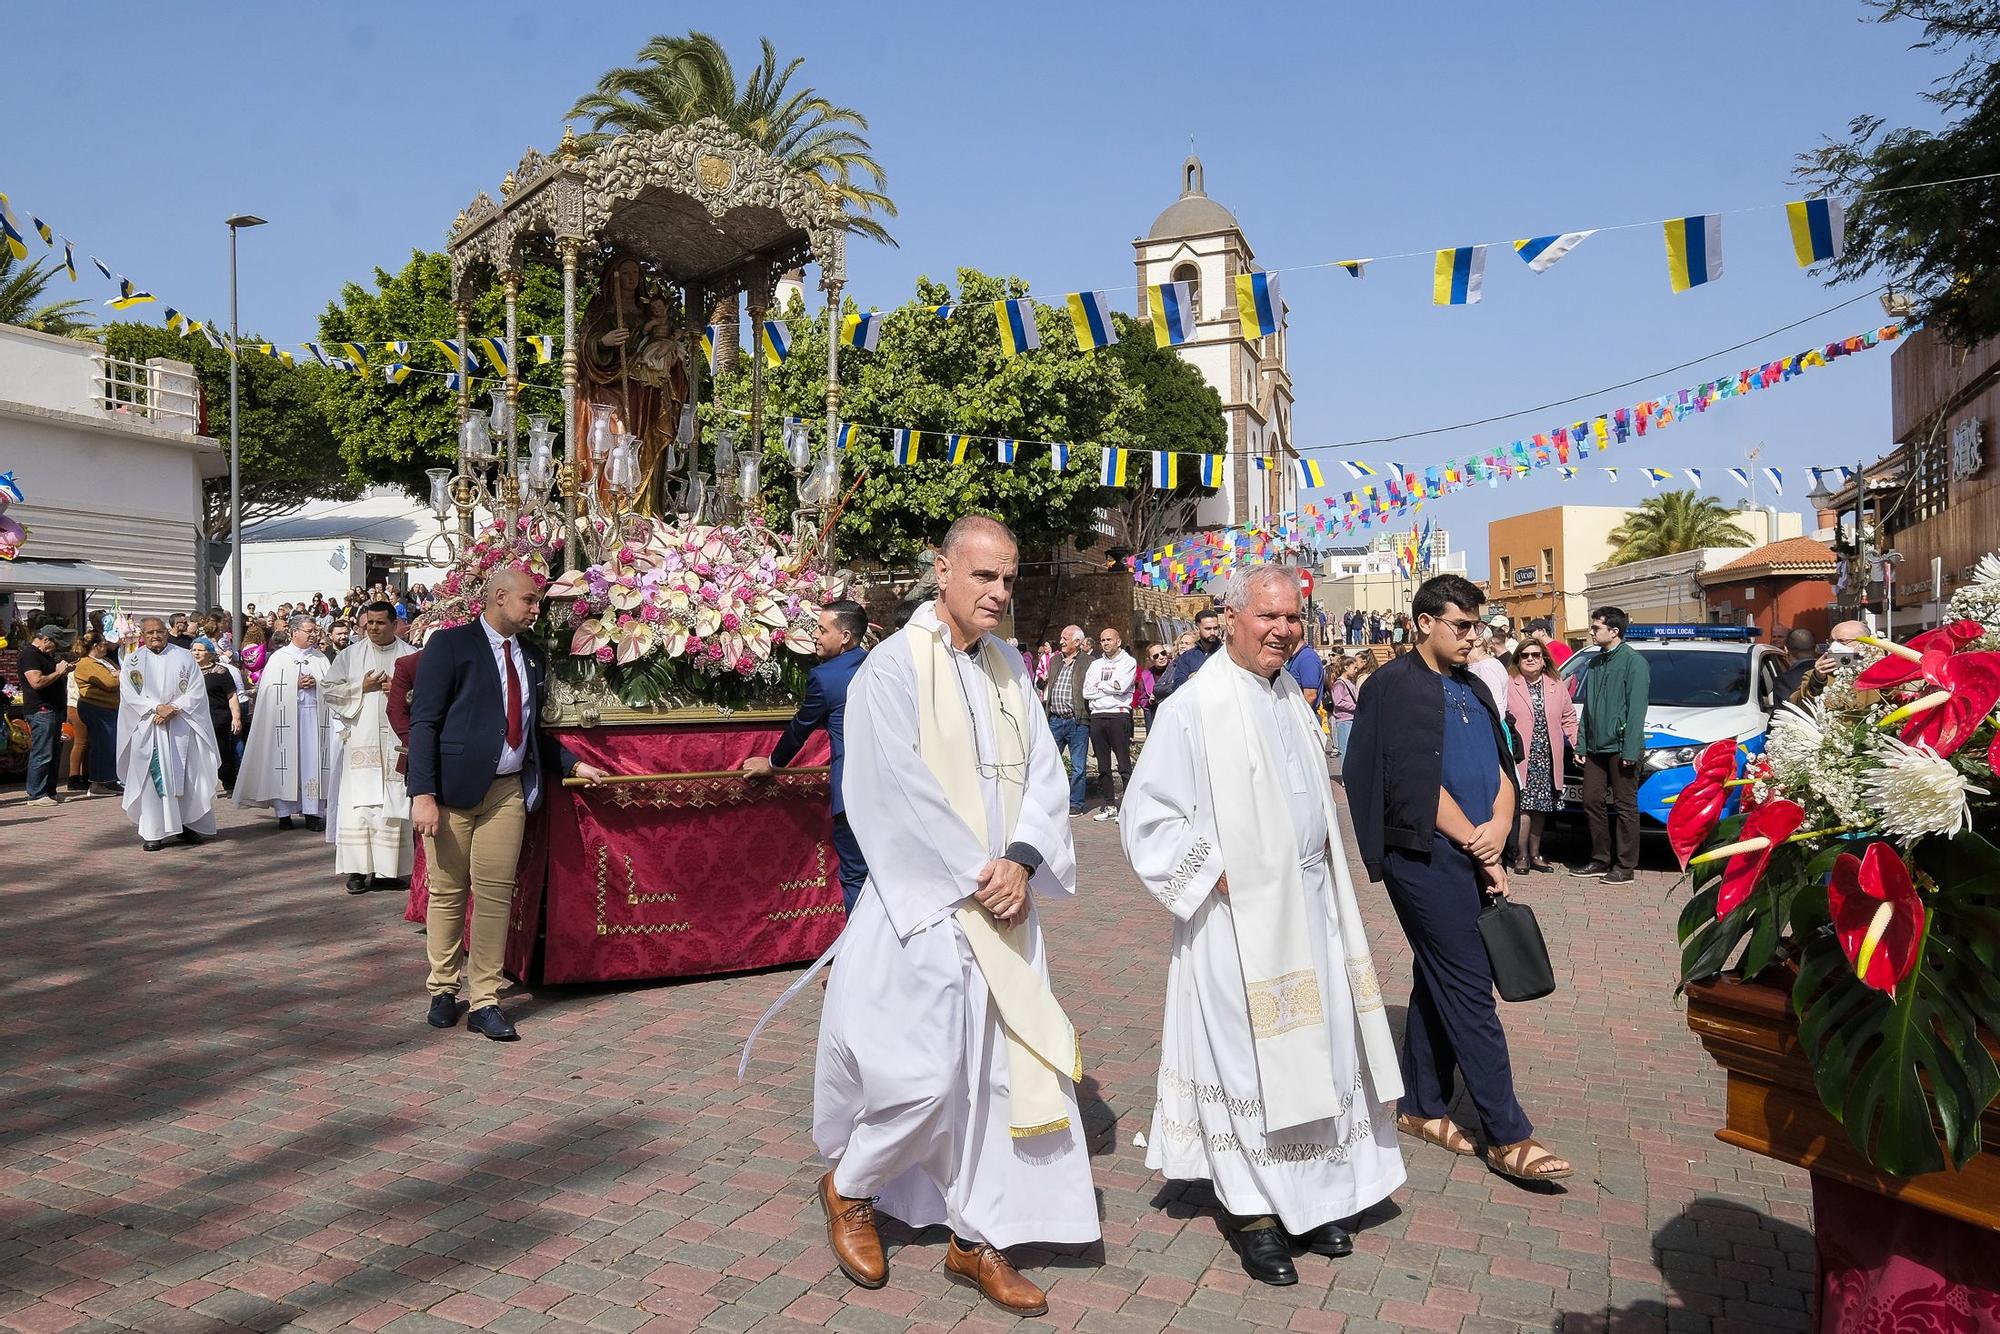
point(1909, 1077)
point(1710, 939)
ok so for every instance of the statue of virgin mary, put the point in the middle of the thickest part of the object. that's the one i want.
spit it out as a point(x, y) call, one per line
point(630, 359)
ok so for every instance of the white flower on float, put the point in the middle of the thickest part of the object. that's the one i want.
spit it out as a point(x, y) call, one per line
point(1916, 793)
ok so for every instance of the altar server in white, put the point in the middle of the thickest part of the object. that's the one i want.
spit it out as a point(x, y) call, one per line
point(945, 1086)
point(289, 757)
point(1277, 1067)
point(371, 808)
point(167, 757)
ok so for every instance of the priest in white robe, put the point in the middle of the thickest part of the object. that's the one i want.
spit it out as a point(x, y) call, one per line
point(167, 755)
point(945, 1088)
point(288, 759)
point(370, 829)
point(1277, 1067)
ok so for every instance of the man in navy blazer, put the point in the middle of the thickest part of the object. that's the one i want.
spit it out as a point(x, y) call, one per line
point(838, 643)
point(477, 766)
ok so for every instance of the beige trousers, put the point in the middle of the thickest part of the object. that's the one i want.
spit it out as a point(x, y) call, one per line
point(475, 850)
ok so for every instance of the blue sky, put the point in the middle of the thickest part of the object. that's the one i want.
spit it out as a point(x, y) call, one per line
point(1040, 139)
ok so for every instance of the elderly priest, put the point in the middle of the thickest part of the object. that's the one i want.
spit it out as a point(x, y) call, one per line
point(167, 754)
point(1276, 1063)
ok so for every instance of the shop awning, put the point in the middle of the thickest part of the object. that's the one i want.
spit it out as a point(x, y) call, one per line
point(48, 576)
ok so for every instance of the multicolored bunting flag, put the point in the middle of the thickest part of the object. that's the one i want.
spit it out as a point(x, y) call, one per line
point(195, 327)
point(908, 445)
point(1166, 469)
point(101, 269)
point(1211, 469)
point(1356, 268)
point(1456, 279)
point(1114, 469)
point(844, 436)
point(314, 351)
point(10, 232)
point(69, 258)
point(498, 354)
point(274, 352)
point(1090, 313)
point(1309, 473)
point(1059, 457)
point(1818, 230)
point(1018, 333)
point(43, 230)
point(1742, 476)
point(708, 346)
point(1600, 430)
point(1657, 475)
point(1263, 462)
point(958, 448)
point(544, 346)
point(1541, 252)
point(128, 295)
point(1568, 473)
point(943, 312)
point(214, 339)
point(1003, 451)
point(776, 339)
point(395, 372)
point(1776, 479)
point(461, 357)
point(1171, 308)
point(1694, 250)
point(1693, 475)
point(1612, 473)
point(174, 320)
point(359, 355)
point(1258, 307)
point(861, 331)
point(452, 379)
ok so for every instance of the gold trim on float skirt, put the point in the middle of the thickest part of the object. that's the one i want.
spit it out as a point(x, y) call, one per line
point(1029, 1132)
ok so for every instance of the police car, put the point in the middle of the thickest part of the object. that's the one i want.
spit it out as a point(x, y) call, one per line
point(1708, 682)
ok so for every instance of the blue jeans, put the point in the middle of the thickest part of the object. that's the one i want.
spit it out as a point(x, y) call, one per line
point(1341, 731)
point(44, 735)
point(1072, 738)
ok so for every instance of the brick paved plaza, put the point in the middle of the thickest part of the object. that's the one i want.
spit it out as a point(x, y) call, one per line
point(220, 1108)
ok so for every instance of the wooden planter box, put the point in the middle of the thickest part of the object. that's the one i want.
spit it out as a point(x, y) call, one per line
point(1773, 1108)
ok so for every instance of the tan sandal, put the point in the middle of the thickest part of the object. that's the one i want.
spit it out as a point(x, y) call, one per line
point(1439, 1130)
point(1527, 1161)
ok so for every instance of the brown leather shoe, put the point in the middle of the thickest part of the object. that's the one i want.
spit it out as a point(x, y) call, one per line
point(850, 1231)
point(988, 1270)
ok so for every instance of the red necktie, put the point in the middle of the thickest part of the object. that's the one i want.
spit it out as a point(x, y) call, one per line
point(513, 696)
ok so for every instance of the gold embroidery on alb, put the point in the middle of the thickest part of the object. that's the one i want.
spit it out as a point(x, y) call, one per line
point(1285, 1003)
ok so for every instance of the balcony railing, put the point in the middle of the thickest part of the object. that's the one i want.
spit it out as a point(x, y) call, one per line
point(156, 391)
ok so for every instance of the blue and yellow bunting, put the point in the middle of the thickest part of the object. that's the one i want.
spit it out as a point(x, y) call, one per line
point(909, 444)
point(1258, 307)
point(1458, 275)
point(1694, 250)
point(1004, 451)
point(1018, 333)
point(1166, 469)
point(1541, 252)
point(1059, 457)
point(1115, 466)
point(1170, 307)
point(1310, 474)
point(1090, 314)
point(861, 332)
point(1817, 227)
point(775, 337)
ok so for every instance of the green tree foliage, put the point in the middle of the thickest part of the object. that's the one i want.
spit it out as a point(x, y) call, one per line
point(1178, 411)
point(941, 376)
point(390, 433)
point(1673, 522)
point(680, 80)
point(1941, 244)
point(288, 455)
point(23, 289)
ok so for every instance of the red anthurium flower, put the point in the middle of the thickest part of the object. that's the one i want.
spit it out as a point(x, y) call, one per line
point(1895, 670)
point(1776, 820)
point(1699, 805)
point(1877, 914)
point(1974, 682)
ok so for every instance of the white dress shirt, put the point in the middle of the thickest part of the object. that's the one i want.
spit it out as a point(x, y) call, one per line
point(511, 757)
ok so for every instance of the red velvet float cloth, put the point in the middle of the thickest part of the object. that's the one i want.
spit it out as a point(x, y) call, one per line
point(1892, 1267)
point(679, 878)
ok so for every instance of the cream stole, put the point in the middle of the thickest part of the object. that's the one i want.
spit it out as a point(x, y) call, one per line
point(1041, 1042)
point(1267, 900)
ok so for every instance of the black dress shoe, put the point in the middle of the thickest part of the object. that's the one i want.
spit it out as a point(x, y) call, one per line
point(1618, 875)
point(492, 1022)
point(1590, 870)
point(444, 1010)
point(1266, 1255)
point(357, 883)
point(1329, 1239)
point(314, 823)
point(388, 882)
point(284, 822)
point(192, 839)
point(154, 845)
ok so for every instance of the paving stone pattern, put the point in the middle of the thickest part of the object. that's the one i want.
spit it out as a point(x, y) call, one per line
point(220, 1109)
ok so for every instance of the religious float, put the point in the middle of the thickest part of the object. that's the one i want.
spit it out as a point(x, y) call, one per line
point(678, 625)
point(1841, 959)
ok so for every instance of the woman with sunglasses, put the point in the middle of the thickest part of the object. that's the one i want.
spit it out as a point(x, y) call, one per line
point(1541, 713)
point(1146, 686)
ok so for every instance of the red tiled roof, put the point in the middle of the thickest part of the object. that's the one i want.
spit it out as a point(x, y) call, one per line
point(1791, 555)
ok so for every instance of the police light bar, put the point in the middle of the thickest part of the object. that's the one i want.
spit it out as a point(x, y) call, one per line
point(1738, 634)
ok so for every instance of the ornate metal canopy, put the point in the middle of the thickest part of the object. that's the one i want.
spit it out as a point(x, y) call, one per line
point(702, 206)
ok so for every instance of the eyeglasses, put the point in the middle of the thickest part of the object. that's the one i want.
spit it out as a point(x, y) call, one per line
point(1458, 628)
point(1527, 657)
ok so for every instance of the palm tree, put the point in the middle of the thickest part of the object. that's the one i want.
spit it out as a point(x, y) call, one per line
point(680, 80)
point(21, 304)
point(1672, 522)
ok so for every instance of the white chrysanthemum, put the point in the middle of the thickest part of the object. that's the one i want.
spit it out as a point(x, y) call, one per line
point(1793, 742)
point(1987, 571)
point(1917, 793)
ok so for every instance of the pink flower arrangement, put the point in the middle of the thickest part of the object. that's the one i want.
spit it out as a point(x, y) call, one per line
point(524, 547)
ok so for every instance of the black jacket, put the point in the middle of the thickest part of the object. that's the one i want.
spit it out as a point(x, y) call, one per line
point(458, 720)
point(1394, 766)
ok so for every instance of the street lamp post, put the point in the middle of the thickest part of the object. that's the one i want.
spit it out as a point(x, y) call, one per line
point(235, 224)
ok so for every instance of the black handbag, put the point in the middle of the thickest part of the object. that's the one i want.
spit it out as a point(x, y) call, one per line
point(1515, 949)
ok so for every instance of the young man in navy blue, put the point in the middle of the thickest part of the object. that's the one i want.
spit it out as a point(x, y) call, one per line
point(1433, 795)
point(838, 644)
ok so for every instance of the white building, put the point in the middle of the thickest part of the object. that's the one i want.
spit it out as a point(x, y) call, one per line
point(112, 467)
point(1198, 241)
point(330, 546)
point(1368, 578)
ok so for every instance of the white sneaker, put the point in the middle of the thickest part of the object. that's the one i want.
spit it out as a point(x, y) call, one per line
point(44, 801)
point(1107, 813)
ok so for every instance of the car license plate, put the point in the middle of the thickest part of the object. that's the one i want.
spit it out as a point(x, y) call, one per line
point(1573, 794)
